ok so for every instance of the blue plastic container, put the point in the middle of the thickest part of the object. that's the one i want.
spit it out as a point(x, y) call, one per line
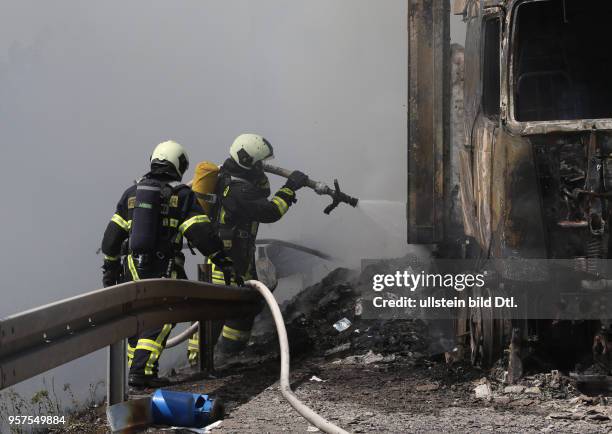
point(184, 409)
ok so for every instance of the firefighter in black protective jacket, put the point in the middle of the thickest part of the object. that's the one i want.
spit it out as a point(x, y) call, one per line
point(147, 229)
point(243, 190)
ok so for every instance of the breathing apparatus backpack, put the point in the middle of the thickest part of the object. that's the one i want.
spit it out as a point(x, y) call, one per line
point(204, 185)
point(208, 184)
point(151, 204)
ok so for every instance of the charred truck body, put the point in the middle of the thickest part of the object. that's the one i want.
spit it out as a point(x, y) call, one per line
point(531, 173)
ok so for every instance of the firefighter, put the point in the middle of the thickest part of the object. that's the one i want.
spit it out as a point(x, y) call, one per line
point(242, 191)
point(147, 230)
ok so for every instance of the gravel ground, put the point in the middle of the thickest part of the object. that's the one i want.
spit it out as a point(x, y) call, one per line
point(394, 397)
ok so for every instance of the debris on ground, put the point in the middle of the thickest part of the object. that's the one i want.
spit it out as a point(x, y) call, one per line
point(483, 391)
point(366, 359)
point(389, 377)
point(339, 349)
point(514, 389)
point(430, 387)
point(342, 325)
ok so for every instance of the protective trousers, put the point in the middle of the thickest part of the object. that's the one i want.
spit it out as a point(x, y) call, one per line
point(145, 349)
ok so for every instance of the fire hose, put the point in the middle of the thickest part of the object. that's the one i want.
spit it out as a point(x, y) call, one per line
point(285, 387)
point(182, 336)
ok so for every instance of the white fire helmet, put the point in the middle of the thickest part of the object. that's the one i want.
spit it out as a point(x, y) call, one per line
point(249, 149)
point(173, 153)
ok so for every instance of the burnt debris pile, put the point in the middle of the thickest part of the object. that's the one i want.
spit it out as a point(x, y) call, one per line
point(325, 320)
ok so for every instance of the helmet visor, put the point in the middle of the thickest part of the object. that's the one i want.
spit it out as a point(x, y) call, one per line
point(270, 155)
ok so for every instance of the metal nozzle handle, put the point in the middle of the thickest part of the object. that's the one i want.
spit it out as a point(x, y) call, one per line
point(319, 187)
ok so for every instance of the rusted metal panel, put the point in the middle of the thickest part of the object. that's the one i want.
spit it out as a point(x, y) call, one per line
point(520, 225)
point(468, 206)
point(471, 101)
point(454, 231)
point(483, 154)
point(428, 129)
point(548, 127)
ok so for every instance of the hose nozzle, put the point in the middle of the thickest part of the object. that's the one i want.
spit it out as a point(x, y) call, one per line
point(321, 188)
point(339, 197)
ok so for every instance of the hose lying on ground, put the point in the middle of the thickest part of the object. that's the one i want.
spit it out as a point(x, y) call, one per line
point(285, 388)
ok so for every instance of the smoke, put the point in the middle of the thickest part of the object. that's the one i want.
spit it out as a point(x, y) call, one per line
point(88, 89)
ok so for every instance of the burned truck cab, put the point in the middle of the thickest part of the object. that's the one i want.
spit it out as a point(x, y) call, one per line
point(536, 166)
point(535, 169)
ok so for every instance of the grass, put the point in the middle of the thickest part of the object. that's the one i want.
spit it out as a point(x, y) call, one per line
point(45, 402)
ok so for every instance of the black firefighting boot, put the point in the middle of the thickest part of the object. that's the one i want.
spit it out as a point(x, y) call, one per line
point(147, 381)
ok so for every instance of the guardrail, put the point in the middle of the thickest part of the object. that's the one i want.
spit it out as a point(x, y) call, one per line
point(43, 338)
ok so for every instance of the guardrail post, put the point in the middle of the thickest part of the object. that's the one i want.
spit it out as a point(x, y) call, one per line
point(115, 378)
point(207, 345)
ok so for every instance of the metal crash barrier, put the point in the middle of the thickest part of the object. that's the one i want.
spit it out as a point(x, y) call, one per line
point(43, 338)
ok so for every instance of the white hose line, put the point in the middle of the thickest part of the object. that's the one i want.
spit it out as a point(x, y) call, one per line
point(285, 387)
point(182, 336)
